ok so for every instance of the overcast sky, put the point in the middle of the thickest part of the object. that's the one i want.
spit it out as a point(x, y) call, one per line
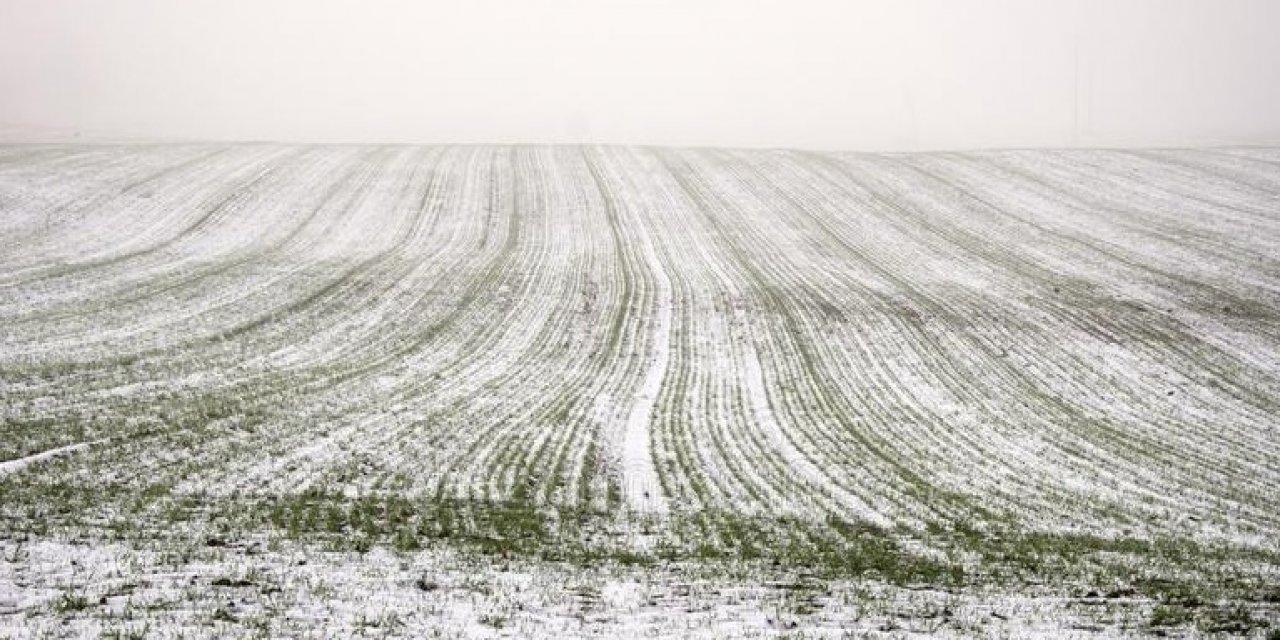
point(851, 74)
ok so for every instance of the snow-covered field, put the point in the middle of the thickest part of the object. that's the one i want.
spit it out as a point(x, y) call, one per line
point(324, 391)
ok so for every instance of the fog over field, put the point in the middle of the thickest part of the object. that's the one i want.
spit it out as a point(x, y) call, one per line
point(815, 74)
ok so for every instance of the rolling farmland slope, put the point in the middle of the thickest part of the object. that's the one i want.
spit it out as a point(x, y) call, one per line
point(1051, 375)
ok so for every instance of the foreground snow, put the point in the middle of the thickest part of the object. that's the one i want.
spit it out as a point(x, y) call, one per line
point(59, 589)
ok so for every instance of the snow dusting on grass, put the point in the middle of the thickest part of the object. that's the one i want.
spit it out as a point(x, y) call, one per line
point(482, 391)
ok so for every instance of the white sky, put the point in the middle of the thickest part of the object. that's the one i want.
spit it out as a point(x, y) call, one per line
point(851, 74)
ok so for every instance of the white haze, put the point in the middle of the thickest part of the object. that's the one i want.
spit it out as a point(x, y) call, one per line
point(826, 74)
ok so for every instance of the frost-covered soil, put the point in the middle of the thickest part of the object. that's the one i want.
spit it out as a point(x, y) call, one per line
point(80, 589)
point(559, 391)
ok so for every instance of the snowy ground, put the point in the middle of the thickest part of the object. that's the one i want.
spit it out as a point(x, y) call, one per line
point(91, 590)
point(577, 391)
